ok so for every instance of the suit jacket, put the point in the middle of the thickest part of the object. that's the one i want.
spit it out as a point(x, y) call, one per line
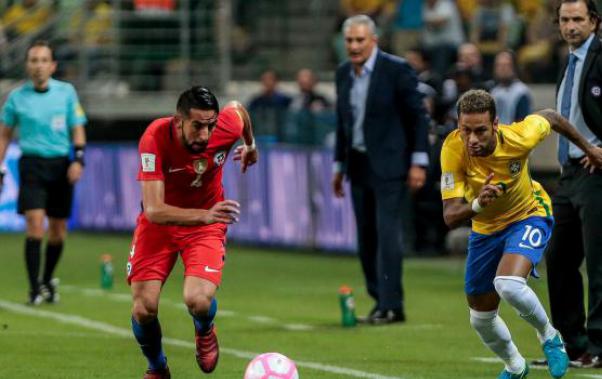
point(590, 88)
point(395, 122)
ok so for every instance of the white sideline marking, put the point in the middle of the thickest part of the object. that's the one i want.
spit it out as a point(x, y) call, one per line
point(496, 360)
point(127, 298)
point(126, 333)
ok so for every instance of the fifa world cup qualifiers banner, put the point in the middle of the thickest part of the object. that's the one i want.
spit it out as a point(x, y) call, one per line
point(286, 198)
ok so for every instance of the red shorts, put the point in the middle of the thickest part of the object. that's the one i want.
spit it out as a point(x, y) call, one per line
point(155, 249)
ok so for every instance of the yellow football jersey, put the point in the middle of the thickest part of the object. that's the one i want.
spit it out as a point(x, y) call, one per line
point(464, 175)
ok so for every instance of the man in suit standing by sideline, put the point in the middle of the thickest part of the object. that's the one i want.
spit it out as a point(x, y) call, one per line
point(577, 203)
point(381, 146)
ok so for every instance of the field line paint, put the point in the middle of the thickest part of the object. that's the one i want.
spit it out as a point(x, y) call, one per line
point(126, 333)
point(259, 319)
point(127, 298)
point(497, 361)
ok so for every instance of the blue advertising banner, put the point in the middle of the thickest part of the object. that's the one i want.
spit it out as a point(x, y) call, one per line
point(286, 199)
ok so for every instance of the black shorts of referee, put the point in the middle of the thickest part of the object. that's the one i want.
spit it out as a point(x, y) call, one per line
point(44, 185)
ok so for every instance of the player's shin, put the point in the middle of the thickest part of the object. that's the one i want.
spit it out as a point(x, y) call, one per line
point(515, 291)
point(495, 335)
point(149, 336)
point(32, 262)
point(53, 254)
point(204, 322)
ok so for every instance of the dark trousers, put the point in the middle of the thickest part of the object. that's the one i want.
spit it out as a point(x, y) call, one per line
point(577, 235)
point(379, 212)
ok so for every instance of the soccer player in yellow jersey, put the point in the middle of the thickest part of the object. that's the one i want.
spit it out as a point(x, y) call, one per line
point(485, 178)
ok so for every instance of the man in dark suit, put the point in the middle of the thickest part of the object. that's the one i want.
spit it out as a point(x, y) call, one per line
point(577, 203)
point(381, 146)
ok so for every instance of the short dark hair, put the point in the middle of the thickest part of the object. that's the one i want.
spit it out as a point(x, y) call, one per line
point(476, 101)
point(592, 11)
point(41, 43)
point(197, 97)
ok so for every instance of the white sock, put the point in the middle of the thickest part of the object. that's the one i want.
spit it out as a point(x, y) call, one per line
point(520, 296)
point(495, 335)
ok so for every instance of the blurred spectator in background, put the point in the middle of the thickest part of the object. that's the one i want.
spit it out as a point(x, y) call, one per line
point(467, 9)
point(536, 59)
point(420, 60)
point(470, 58)
point(489, 28)
point(442, 32)
point(25, 17)
point(268, 110)
point(308, 98)
point(89, 30)
point(467, 73)
point(154, 7)
point(512, 97)
point(310, 115)
point(429, 227)
point(407, 26)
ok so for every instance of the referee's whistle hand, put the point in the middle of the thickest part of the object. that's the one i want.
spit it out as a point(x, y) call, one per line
point(74, 173)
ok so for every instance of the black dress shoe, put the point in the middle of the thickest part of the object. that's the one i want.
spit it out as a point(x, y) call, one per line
point(585, 360)
point(367, 319)
point(389, 316)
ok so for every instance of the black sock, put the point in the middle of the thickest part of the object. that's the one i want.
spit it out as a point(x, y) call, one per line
point(53, 254)
point(32, 261)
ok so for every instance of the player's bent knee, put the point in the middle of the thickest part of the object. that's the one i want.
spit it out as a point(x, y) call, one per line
point(144, 311)
point(510, 287)
point(198, 304)
point(479, 319)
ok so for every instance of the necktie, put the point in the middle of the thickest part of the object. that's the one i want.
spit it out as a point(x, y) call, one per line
point(565, 107)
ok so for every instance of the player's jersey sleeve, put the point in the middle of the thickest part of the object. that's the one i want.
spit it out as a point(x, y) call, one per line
point(9, 112)
point(453, 179)
point(151, 162)
point(531, 131)
point(232, 124)
point(75, 112)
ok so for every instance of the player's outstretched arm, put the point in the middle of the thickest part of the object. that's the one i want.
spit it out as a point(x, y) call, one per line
point(158, 212)
point(562, 126)
point(246, 154)
point(456, 210)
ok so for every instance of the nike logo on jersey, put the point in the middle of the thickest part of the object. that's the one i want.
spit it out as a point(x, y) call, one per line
point(520, 244)
point(176, 169)
point(209, 269)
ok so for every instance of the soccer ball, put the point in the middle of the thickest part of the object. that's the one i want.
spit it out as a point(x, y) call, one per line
point(271, 366)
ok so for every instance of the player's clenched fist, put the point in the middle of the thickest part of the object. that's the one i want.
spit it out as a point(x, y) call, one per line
point(489, 192)
point(226, 212)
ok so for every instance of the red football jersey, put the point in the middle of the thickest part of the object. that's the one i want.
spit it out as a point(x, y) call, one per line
point(191, 180)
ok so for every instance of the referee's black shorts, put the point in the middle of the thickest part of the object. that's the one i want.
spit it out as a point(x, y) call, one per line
point(44, 185)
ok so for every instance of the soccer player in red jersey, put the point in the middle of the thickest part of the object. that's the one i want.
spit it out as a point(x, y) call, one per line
point(184, 213)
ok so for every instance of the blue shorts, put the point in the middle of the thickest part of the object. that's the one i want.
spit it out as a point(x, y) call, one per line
point(528, 238)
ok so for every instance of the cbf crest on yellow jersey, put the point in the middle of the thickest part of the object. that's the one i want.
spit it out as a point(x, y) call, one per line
point(463, 175)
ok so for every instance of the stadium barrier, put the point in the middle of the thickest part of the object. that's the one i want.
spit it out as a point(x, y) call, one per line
point(286, 199)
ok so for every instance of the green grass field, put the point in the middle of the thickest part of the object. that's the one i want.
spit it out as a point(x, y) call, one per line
point(270, 301)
